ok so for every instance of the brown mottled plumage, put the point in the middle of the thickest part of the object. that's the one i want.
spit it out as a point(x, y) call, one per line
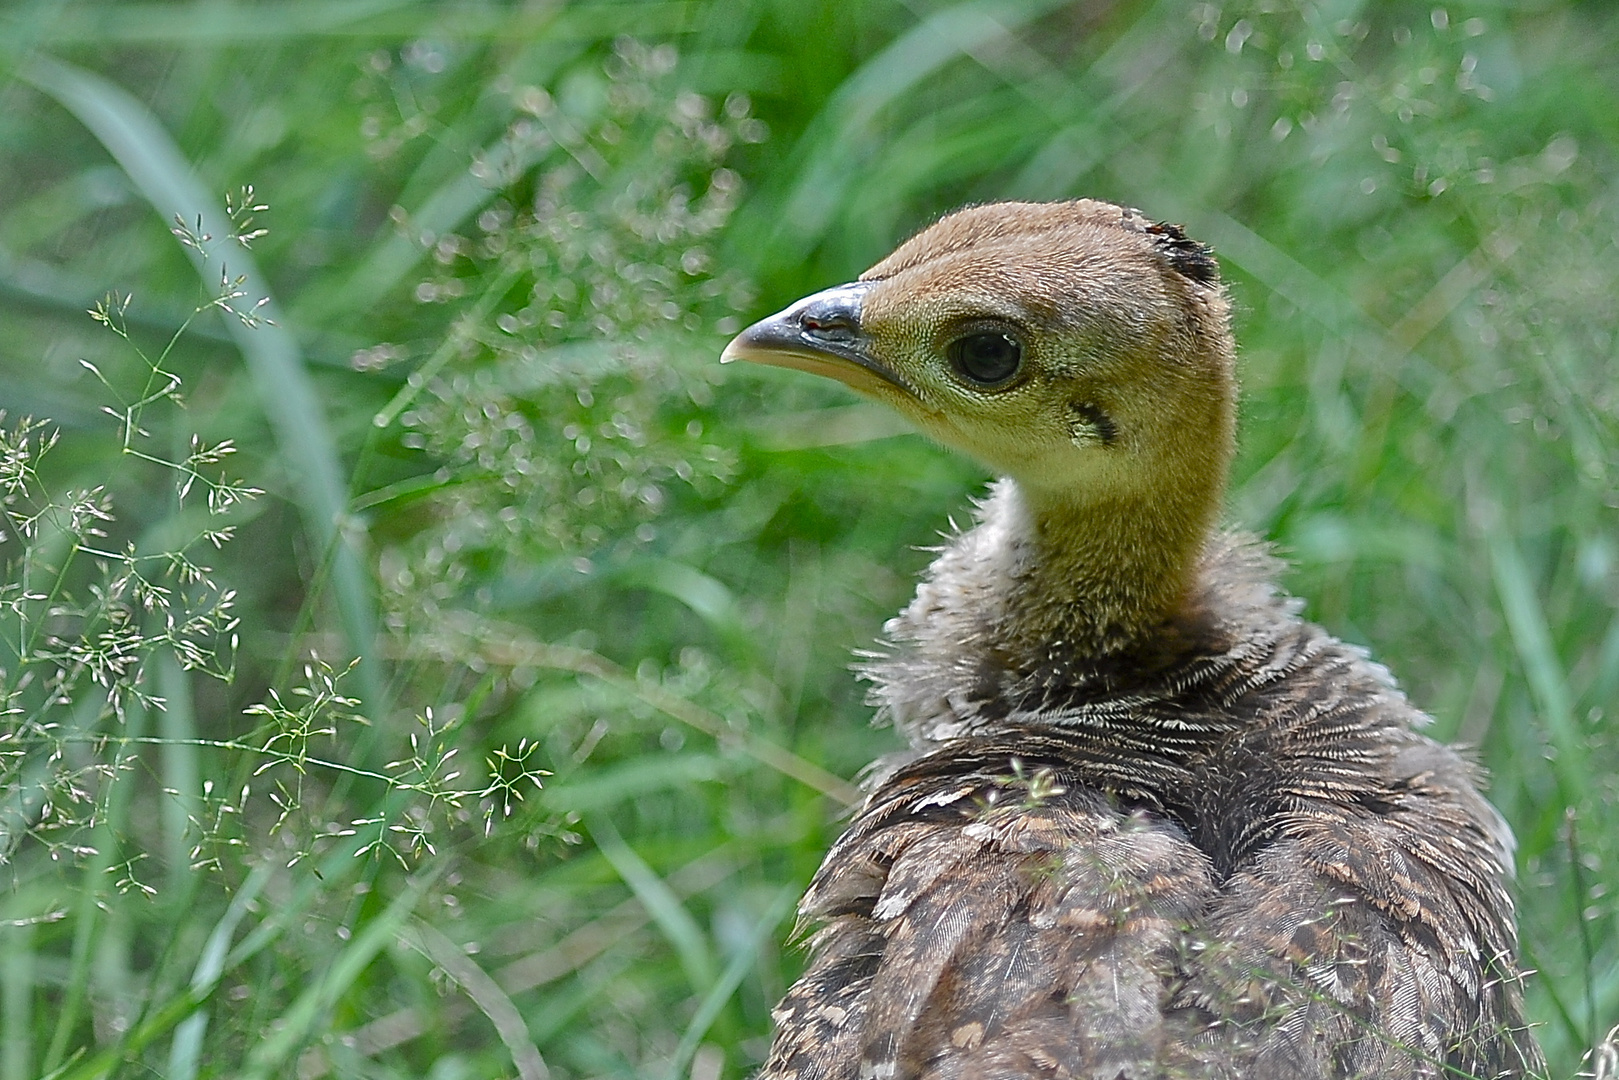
point(1153, 823)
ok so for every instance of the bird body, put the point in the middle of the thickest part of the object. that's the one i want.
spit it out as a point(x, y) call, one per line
point(1151, 823)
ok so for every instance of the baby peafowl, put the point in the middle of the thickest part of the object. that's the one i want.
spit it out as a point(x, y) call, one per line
point(1153, 824)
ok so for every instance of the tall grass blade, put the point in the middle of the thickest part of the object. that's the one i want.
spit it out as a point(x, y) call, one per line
point(182, 772)
point(138, 142)
point(659, 899)
point(484, 992)
point(1526, 621)
point(227, 22)
point(186, 1051)
point(93, 914)
point(845, 130)
point(181, 24)
point(704, 595)
point(17, 1001)
point(709, 1009)
point(269, 1058)
point(443, 212)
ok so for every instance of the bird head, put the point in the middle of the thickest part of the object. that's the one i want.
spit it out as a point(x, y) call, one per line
point(1077, 347)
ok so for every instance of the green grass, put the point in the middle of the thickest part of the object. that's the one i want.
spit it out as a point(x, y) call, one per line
point(499, 463)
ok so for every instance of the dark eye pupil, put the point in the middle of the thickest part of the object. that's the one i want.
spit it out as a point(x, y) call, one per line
point(986, 359)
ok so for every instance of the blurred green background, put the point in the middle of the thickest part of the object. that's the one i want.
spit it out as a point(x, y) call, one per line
point(496, 459)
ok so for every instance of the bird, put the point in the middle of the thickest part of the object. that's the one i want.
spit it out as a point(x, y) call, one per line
point(1151, 822)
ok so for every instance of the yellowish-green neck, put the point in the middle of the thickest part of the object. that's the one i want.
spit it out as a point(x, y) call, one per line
point(1098, 572)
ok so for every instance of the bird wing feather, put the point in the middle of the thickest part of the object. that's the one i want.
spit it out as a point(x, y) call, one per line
point(1019, 935)
point(1003, 924)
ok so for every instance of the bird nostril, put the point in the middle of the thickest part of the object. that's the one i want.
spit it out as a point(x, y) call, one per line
point(830, 320)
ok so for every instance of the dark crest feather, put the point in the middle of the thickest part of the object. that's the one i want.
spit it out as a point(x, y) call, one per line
point(1183, 254)
point(1186, 255)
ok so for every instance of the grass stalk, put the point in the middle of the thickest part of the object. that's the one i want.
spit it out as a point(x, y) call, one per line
point(309, 1009)
point(139, 143)
point(17, 1001)
point(182, 773)
point(485, 993)
point(185, 1052)
point(677, 924)
point(708, 1010)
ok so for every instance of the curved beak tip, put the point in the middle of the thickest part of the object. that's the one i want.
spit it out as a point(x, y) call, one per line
point(762, 340)
point(824, 324)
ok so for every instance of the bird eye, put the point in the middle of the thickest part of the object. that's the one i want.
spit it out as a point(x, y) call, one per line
point(986, 359)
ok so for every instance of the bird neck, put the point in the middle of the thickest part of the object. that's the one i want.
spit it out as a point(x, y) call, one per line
point(1099, 572)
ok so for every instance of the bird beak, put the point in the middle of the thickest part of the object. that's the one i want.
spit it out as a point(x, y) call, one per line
point(820, 334)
